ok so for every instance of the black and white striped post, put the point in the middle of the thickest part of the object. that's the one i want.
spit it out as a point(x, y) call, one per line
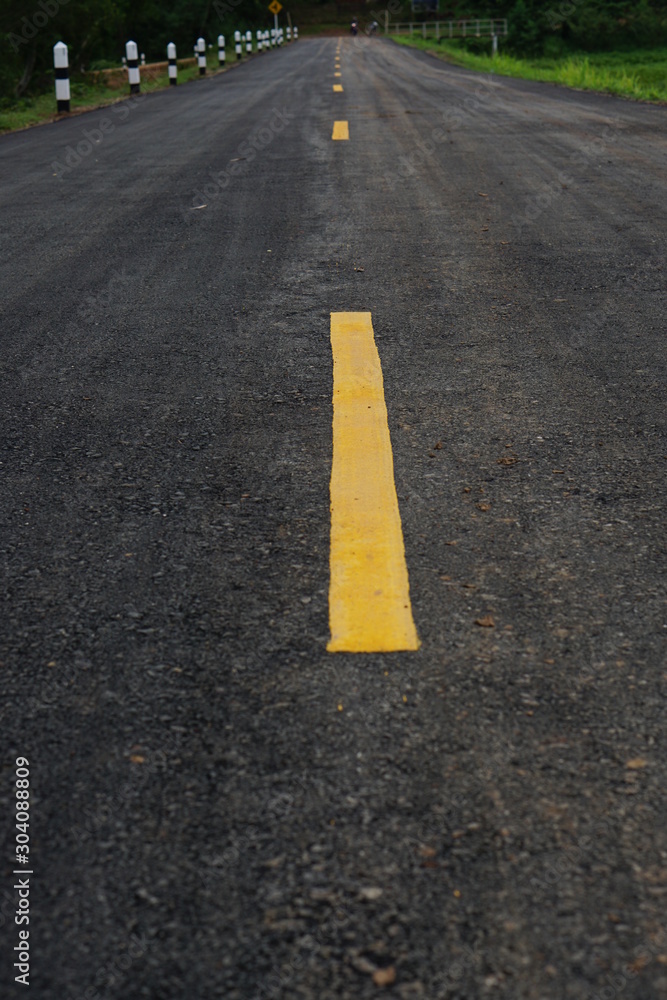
point(237, 44)
point(288, 33)
point(295, 33)
point(273, 38)
point(61, 67)
point(201, 56)
point(173, 67)
point(248, 42)
point(258, 37)
point(133, 75)
point(143, 58)
point(221, 50)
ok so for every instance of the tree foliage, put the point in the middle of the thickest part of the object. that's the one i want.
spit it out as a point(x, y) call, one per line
point(96, 30)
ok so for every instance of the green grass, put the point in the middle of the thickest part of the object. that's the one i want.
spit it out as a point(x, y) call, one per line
point(41, 108)
point(640, 74)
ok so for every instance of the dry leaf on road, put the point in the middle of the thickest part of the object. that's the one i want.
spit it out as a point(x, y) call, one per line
point(384, 977)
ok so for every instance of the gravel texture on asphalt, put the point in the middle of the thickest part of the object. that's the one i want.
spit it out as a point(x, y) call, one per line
point(221, 809)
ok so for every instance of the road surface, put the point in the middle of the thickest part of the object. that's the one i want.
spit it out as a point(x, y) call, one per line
point(220, 806)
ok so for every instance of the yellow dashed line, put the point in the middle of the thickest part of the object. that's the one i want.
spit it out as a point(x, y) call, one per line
point(369, 596)
point(341, 130)
point(338, 88)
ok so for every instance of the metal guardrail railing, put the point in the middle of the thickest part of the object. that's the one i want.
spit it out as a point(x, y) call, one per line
point(469, 28)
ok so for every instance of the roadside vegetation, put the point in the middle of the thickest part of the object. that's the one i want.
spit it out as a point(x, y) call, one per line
point(617, 46)
point(96, 90)
point(640, 74)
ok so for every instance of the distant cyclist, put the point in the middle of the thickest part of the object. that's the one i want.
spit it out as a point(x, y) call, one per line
point(354, 27)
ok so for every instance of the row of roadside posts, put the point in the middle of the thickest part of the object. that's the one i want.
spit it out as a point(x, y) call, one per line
point(264, 40)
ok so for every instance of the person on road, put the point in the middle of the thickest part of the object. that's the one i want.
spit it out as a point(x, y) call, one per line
point(354, 27)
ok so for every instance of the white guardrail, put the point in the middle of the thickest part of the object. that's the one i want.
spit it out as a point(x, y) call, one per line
point(472, 28)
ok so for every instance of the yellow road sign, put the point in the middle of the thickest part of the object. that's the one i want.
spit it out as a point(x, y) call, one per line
point(275, 7)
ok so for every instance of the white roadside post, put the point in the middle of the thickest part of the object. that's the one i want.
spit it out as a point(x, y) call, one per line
point(61, 67)
point(237, 44)
point(273, 38)
point(132, 53)
point(248, 42)
point(173, 68)
point(288, 33)
point(221, 50)
point(124, 62)
point(295, 32)
point(201, 56)
point(280, 36)
point(258, 38)
point(143, 58)
point(494, 45)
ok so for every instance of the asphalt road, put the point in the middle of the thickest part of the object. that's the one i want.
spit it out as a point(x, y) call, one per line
point(220, 808)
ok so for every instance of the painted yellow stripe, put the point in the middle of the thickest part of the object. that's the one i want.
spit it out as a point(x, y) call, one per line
point(369, 596)
point(338, 88)
point(338, 74)
point(341, 130)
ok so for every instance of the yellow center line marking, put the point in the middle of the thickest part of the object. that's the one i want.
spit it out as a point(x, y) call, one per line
point(338, 74)
point(369, 594)
point(341, 130)
point(338, 88)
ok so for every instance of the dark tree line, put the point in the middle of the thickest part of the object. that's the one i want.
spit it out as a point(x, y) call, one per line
point(96, 30)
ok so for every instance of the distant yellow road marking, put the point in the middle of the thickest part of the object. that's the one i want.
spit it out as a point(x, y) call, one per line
point(369, 595)
point(341, 130)
point(338, 74)
point(338, 88)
